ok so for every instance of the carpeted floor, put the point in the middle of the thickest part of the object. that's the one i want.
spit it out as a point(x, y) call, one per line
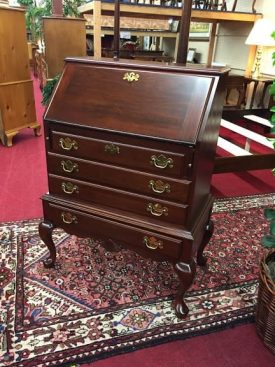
point(94, 306)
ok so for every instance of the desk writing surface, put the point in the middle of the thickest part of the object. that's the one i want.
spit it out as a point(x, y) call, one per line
point(160, 103)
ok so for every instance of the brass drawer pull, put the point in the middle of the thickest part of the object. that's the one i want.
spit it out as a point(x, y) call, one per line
point(68, 218)
point(152, 243)
point(157, 209)
point(159, 186)
point(111, 149)
point(161, 161)
point(69, 166)
point(68, 144)
point(69, 188)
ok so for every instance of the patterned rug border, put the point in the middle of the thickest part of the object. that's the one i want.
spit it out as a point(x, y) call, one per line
point(154, 343)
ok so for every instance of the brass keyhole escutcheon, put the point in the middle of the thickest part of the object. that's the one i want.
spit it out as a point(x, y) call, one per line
point(131, 77)
point(111, 149)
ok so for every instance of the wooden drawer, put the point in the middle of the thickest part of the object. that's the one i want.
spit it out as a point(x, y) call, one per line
point(87, 225)
point(112, 198)
point(134, 157)
point(120, 178)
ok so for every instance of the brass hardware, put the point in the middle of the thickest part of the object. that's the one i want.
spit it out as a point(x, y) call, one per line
point(157, 209)
point(68, 144)
point(161, 161)
point(68, 218)
point(159, 186)
point(69, 188)
point(111, 149)
point(152, 243)
point(131, 77)
point(69, 166)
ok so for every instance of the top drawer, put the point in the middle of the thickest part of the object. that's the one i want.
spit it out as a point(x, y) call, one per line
point(140, 158)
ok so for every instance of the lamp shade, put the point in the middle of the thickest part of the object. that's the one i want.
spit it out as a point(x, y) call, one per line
point(260, 34)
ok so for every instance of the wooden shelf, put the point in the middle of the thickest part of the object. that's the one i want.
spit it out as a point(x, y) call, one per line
point(160, 12)
point(100, 8)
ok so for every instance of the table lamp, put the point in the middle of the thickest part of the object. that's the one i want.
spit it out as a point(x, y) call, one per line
point(260, 36)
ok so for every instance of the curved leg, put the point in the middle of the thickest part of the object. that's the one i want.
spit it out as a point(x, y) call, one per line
point(7, 138)
point(186, 273)
point(45, 232)
point(209, 228)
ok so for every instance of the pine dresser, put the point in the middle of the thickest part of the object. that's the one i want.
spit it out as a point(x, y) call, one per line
point(130, 153)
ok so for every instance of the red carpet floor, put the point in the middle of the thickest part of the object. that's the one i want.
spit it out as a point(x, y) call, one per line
point(23, 180)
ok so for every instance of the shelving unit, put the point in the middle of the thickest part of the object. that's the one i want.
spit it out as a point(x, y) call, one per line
point(99, 8)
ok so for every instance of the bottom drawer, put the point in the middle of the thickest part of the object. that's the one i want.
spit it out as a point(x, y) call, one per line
point(81, 224)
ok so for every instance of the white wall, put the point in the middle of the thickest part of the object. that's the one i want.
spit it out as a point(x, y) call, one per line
point(230, 46)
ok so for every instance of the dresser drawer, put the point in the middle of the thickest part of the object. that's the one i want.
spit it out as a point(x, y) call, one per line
point(133, 157)
point(120, 178)
point(84, 224)
point(122, 200)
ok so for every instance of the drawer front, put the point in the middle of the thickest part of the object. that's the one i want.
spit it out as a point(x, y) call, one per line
point(102, 174)
point(108, 197)
point(140, 240)
point(145, 159)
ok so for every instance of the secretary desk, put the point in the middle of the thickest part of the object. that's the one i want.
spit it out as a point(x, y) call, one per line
point(130, 153)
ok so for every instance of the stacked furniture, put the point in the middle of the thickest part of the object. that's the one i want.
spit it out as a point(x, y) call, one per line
point(134, 171)
point(17, 107)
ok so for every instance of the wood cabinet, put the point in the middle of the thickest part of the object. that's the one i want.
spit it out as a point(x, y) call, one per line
point(134, 170)
point(17, 107)
point(63, 37)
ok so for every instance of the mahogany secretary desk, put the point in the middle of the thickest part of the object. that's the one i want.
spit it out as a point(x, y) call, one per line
point(130, 153)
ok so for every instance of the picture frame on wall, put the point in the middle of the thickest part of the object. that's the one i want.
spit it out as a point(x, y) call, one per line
point(200, 30)
point(191, 54)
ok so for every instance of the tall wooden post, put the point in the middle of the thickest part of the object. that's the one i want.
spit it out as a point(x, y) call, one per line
point(116, 29)
point(97, 28)
point(184, 31)
point(212, 42)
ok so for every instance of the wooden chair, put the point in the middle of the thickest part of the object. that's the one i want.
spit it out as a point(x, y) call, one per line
point(236, 87)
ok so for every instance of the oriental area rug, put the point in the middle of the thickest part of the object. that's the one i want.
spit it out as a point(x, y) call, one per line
point(95, 304)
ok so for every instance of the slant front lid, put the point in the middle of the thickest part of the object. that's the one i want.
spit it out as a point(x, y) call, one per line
point(155, 102)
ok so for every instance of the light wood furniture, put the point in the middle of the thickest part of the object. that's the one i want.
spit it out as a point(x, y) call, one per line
point(62, 37)
point(17, 107)
point(130, 169)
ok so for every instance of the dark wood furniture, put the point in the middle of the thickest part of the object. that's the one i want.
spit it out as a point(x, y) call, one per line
point(257, 83)
point(236, 88)
point(130, 153)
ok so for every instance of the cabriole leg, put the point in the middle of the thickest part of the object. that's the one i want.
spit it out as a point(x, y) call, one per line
point(209, 228)
point(45, 231)
point(186, 273)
